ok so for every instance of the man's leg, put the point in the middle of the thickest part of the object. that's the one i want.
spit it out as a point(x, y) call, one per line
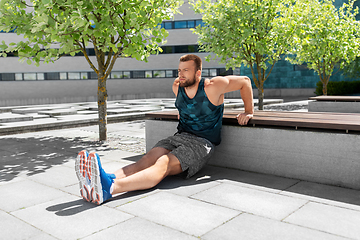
point(150, 176)
point(146, 161)
point(104, 185)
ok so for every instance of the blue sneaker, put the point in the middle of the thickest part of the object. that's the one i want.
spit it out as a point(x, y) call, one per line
point(100, 180)
point(82, 173)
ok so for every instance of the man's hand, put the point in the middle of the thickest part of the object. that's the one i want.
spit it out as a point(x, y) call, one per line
point(243, 118)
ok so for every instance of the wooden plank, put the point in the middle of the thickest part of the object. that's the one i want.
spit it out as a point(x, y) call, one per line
point(335, 121)
point(336, 98)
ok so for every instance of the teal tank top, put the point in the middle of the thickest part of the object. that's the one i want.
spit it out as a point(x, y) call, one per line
point(198, 115)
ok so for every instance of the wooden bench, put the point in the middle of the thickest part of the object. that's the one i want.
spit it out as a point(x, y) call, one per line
point(344, 104)
point(310, 146)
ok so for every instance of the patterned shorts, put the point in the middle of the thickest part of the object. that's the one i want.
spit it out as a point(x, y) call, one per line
point(192, 151)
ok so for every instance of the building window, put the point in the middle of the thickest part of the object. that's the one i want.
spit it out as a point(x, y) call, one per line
point(126, 74)
point(84, 75)
point(148, 74)
point(159, 74)
point(29, 76)
point(40, 76)
point(63, 76)
point(169, 73)
point(138, 74)
point(180, 24)
point(8, 76)
point(115, 75)
point(52, 76)
point(18, 76)
point(74, 75)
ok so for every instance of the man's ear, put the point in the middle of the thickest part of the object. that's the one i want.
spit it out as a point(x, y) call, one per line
point(198, 73)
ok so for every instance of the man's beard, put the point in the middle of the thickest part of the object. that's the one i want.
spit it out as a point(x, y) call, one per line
point(188, 82)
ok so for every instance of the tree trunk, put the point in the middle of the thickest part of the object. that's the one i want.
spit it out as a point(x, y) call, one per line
point(261, 98)
point(324, 89)
point(102, 107)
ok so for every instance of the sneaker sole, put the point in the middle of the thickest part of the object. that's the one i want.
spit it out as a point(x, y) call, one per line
point(96, 191)
point(81, 173)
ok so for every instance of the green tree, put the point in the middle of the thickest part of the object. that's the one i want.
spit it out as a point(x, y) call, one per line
point(326, 37)
point(352, 69)
point(114, 28)
point(255, 33)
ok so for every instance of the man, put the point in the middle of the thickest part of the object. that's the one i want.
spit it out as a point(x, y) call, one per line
point(201, 104)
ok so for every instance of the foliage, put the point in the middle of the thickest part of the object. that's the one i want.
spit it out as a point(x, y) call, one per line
point(255, 33)
point(326, 36)
point(352, 70)
point(115, 28)
point(339, 88)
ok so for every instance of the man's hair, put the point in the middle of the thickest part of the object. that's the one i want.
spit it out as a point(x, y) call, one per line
point(196, 59)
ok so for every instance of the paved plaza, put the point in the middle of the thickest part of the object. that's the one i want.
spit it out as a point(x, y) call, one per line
point(40, 194)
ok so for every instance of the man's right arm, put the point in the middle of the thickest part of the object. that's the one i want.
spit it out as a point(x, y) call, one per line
point(175, 86)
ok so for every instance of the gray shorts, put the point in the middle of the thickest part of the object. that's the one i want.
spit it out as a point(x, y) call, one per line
point(192, 151)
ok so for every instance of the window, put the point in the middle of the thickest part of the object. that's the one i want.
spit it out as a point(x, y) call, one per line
point(148, 74)
point(52, 76)
point(126, 74)
point(29, 76)
point(169, 73)
point(115, 75)
point(180, 24)
point(212, 72)
point(18, 76)
point(138, 74)
point(8, 76)
point(84, 75)
point(63, 76)
point(74, 75)
point(40, 76)
point(205, 72)
point(159, 74)
point(168, 25)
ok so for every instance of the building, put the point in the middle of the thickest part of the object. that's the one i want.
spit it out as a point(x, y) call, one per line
point(70, 79)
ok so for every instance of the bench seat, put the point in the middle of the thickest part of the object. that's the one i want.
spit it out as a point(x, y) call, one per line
point(343, 104)
point(311, 146)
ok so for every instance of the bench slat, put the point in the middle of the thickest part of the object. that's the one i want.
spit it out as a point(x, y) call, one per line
point(335, 121)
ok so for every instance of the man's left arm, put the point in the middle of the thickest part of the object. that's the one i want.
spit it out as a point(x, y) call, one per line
point(242, 83)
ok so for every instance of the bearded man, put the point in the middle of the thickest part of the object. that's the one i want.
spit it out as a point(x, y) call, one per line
point(200, 103)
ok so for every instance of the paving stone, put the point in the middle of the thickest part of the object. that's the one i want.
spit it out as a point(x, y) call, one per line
point(331, 195)
point(140, 229)
point(56, 177)
point(180, 213)
point(253, 180)
point(336, 220)
point(253, 201)
point(58, 112)
point(252, 227)
point(13, 228)
point(11, 117)
point(23, 194)
point(70, 217)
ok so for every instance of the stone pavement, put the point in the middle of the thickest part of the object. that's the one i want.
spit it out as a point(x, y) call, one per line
point(40, 194)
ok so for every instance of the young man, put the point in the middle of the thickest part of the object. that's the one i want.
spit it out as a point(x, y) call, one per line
point(201, 104)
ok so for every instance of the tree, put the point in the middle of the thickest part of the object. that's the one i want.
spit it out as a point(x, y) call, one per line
point(326, 37)
point(352, 69)
point(115, 28)
point(255, 33)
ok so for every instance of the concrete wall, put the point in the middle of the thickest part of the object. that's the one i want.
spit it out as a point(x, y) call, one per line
point(342, 107)
point(328, 158)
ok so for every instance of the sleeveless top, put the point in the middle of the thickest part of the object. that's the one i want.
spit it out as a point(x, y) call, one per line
point(198, 115)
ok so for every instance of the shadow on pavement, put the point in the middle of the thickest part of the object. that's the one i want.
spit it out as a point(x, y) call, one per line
point(33, 155)
point(71, 208)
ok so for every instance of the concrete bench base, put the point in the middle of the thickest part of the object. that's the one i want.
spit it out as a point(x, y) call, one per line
point(323, 157)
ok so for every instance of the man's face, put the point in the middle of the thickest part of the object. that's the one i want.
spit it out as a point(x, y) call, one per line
point(187, 73)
